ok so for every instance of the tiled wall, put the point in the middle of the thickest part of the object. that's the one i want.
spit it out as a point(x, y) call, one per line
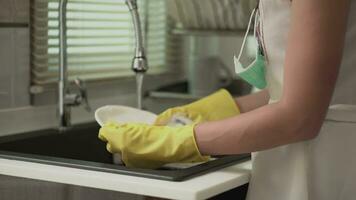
point(14, 67)
point(14, 53)
point(14, 11)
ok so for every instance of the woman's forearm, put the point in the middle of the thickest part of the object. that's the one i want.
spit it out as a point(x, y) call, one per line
point(260, 129)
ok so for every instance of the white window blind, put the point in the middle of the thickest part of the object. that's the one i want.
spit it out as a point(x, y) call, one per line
point(100, 39)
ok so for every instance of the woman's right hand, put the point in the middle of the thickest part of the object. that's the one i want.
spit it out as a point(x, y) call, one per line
point(217, 106)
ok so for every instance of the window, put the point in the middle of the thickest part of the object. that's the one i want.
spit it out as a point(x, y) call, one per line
point(100, 39)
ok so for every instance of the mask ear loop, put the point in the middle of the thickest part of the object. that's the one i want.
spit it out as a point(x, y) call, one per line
point(255, 32)
point(246, 34)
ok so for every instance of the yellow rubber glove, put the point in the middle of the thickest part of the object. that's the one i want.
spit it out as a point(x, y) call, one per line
point(148, 146)
point(217, 106)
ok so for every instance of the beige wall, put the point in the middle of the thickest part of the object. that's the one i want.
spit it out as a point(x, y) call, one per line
point(14, 53)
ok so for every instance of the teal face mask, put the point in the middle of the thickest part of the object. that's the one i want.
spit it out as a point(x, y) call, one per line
point(255, 73)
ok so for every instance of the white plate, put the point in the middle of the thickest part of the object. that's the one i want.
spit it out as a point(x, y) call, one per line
point(123, 114)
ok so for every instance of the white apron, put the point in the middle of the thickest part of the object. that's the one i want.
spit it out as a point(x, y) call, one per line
point(323, 168)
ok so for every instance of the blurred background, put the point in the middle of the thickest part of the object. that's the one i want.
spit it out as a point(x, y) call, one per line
point(190, 47)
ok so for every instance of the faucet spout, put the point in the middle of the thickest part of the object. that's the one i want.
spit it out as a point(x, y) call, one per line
point(139, 62)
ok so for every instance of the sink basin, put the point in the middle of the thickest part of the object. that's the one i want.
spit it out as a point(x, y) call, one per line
point(79, 147)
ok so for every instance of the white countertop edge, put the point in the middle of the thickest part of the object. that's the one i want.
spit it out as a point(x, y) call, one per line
point(201, 187)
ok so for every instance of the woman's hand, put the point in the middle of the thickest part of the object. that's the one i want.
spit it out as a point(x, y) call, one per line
point(147, 146)
point(217, 106)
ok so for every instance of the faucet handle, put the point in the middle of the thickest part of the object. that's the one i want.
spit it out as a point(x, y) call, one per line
point(83, 93)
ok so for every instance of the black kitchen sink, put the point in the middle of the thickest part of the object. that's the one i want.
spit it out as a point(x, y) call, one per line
point(79, 147)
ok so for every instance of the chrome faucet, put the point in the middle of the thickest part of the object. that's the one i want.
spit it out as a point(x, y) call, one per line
point(67, 99)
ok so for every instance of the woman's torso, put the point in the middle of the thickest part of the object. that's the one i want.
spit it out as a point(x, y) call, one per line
point(324, 168)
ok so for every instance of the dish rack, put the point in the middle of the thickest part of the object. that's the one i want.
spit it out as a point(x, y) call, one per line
point(211, 15)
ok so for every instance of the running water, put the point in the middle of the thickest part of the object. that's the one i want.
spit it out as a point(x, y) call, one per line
point(139, 82)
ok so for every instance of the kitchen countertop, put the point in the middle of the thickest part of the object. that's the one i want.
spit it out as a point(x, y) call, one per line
point(200, 187)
